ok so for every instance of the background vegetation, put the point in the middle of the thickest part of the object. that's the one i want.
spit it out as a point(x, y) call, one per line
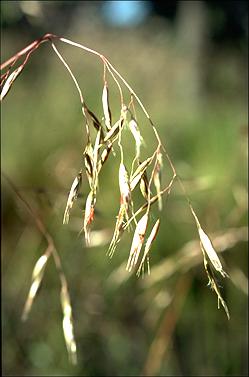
point(188, 63)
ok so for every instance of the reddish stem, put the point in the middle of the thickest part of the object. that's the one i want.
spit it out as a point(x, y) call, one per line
point(28, 49)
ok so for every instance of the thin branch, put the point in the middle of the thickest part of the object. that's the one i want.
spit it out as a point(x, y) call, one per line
point(30, 48)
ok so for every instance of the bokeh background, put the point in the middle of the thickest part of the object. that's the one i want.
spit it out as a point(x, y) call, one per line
point(187, 60)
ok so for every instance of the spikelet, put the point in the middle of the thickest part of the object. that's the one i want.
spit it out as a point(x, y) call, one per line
point(137, 136)
point(106, 107)
point(91, 116)
point(37, 276)
point(88, 160)
point(213, 284)
point(89, 215)
point(104, 156)
point(137, 175)
point(117, 232)
point(72, 196)
point(157, 179)
point(95, 161)
point(8, 83)
point(67, 324)
point(137, 242)
point(124, 185)
point(144, 185)
point(147, 248)
point(208, 248)
point(211, 253)
point(114, 130)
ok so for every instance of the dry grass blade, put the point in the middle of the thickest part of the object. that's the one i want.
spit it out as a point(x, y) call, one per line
point(37, 276)
point(104, 156)
point(211, 253)
point(95, 160)
point(117, 232)
point(157, 179)
point(106, 107)
point(67, 324)
point(213, 284)
point(137, 175)
point(9, 81)
point(137, 242)
point(88, 160)
point(137, 136)
point(124, 185)
point(72, 196)
point(147, 248)
point(114, 130)
point(208, 247)
point(90, 115)
point(89, 215)
point(144, 185)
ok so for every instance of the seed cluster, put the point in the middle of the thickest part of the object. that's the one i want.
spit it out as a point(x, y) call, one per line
point(102, 139)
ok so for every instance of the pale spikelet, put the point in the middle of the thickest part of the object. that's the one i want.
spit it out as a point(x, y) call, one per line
point(67, 324)
point(114, 130)
point(137, 136)
point(90, 115)
point(37, 276)
point(137, 242)
point(144, 185)
point(137, 175)
point(9, 82)
point(106, 107)
point(96, 150)
point(95, 161)
point(211, 253)
point(124, 185)
point(72, 196)
point(147, 248)
point(208, 248)
point(213, 284)
point(89, 215)
point(88, 160)
point(104, 156)
point(157, 179)
point(124, 112)
point(118, 231)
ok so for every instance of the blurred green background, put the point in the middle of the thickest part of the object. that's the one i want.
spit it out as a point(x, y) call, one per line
point(188, 63)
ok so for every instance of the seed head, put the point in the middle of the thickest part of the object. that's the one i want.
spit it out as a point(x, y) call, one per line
point(137, 242)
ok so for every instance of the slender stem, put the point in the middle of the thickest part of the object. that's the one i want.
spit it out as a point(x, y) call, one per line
point(82, 47)
point(27, 49)
point(71, 73)
point(117, 83)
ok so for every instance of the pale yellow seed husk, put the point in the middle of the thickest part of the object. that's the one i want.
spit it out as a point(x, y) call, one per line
point(39, 266)
point(137, 242)
point(137, 135)
point(37, 276)
point(67, 325)
point(9, 82)
point(211, 253)
point(137, 175)
point(148, 244)
point(71, 197)
point(106, 108)
point(124, 183)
